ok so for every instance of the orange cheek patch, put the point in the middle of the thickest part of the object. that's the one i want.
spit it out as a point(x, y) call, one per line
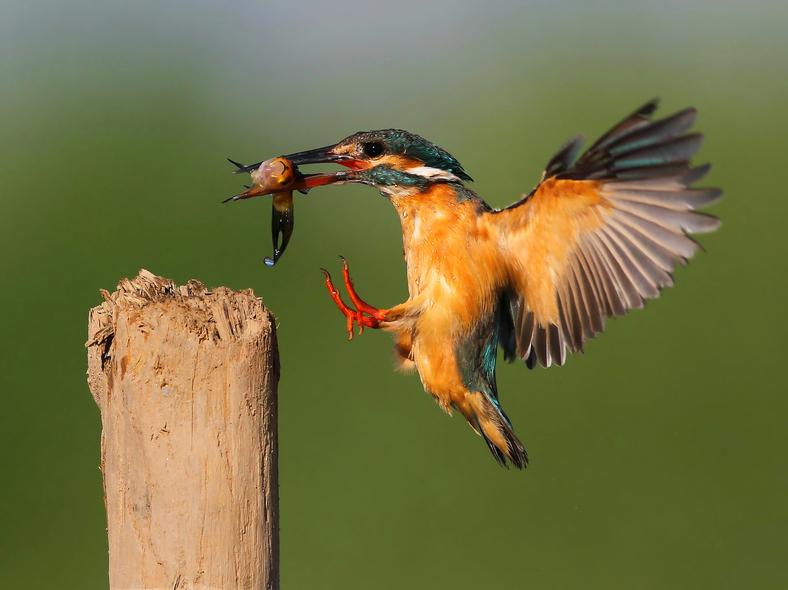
point(398, 162)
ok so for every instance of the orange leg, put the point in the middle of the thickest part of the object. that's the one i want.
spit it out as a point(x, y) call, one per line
point(361, 306)
point(374, 315)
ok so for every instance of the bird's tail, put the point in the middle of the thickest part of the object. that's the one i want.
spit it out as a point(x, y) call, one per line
point(489, 420)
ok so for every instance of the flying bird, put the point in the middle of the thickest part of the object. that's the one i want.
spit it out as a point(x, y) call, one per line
point(597, 236)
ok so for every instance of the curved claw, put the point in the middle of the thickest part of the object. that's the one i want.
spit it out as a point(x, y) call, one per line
point(350, 314)
point(360, 318)
point(361, 305)
point(353, 315)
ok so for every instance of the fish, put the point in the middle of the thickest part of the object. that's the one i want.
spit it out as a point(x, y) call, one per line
point(277, 177)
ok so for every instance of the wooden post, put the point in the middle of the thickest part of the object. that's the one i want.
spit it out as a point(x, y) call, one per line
point(186, 382)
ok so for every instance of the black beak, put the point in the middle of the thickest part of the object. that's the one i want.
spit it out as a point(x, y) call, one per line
point(322, 155)
point(317, 156)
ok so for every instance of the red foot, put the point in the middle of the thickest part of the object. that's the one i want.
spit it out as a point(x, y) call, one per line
point(374, 315)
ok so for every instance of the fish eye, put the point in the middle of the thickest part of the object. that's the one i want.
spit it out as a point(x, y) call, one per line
point(373, 149)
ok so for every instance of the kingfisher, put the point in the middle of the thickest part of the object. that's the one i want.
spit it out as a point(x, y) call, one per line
point(599, 234)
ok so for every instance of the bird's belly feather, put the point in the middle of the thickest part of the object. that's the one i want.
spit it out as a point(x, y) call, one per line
point(455, 273)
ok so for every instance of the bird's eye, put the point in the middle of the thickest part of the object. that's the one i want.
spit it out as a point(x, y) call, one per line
point(373, 149)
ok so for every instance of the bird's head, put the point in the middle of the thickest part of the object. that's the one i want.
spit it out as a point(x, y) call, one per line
point(391, 160)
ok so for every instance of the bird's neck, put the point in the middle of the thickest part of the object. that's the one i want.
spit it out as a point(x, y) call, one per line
point(435, 226)
point(427, 212)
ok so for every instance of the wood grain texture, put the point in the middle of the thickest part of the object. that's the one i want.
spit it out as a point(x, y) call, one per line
point(186, 382)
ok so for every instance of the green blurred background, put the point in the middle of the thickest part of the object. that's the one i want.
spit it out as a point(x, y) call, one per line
point(658, 457)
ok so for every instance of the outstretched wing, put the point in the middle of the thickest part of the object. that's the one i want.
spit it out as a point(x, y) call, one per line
point(601, 234)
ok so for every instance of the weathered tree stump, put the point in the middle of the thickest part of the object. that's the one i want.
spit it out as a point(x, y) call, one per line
point(186, 382)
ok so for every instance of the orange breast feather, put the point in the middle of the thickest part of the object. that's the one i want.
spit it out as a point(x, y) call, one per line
point(454, 267)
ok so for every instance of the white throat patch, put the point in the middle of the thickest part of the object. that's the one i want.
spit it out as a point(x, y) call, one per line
point(432, 173)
